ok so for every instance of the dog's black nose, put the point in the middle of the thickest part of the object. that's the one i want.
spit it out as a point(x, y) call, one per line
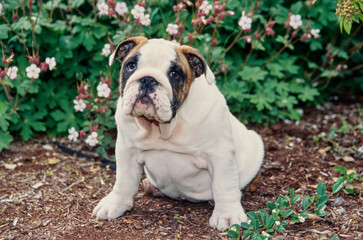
point(148, 83)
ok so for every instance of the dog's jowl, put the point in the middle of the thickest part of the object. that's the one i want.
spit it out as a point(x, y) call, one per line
point(174, 124)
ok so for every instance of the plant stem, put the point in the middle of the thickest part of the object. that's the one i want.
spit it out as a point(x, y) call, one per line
point(10, 98)
point(22, 98)
point(228, 48)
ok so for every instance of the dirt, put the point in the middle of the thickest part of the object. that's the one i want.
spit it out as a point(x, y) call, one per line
point(51, 194)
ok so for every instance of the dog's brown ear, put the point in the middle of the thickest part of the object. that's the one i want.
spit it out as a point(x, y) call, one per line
point(197, 63)
point(125, 47)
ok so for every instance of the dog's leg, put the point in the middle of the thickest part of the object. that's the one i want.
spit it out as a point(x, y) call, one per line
point(128, 176)
point(226, 193)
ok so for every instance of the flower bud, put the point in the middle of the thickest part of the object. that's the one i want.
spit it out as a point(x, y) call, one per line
point(30, 3)
point(111, 12)
point(293, 34)
point(287, 24)
point(210, 19)
point(190, 35)
point(2, 74)
point(214, 43)
point(256, 35)
point(247, 38)
point(82, 134)
point(305, 36)
point(15, 17)
point(111, 3)
point(43, 66)
point(222, 15)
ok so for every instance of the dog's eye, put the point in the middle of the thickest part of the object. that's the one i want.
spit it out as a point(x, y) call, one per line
point(131, 66)
point(174, 74)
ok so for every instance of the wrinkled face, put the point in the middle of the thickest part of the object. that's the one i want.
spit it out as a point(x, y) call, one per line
point(155, 77)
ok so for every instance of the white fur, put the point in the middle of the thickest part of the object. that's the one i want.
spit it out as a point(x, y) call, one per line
point(204, 153)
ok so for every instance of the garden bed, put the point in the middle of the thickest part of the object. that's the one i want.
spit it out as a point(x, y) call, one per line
point(51, 194)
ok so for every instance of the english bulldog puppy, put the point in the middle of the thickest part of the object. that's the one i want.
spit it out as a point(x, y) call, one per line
point(174, 124)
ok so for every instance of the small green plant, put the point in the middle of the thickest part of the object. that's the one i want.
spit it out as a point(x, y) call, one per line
point(5, 221)
point(283, 211)
point(177, 217)
point(106, 177)
point(37, 223)
point(344, 180)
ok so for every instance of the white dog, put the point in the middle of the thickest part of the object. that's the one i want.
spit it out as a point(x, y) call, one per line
point(174, 124)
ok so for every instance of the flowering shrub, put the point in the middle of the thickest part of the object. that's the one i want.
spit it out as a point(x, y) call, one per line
point(269, 58)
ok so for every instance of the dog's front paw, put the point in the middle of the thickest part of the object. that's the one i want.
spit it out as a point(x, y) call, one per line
point(227, 215)
point(111, 206)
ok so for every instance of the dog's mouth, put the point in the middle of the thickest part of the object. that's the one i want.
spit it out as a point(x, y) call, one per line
point(144, 107)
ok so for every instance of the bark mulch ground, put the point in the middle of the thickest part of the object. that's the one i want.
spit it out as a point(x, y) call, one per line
point(51, 194)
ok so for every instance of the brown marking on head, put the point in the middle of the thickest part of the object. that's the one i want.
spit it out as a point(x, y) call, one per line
point(124, 50)
point(192, 62)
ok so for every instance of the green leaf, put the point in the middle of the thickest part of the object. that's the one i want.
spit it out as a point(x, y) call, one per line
point(321, 189)
point(350, 191)
point(335, 237)
point(271, 206)
point(31, 122)
point(252, 215)
point(252, 74)
point(246, 233)
point(341, 169)
point(295, 198)
point(4, 29)
point(322, 200)
point(245, 225)
point(5, 140)
point(305, 202)
point(4, 116)
point(65, 118)
point(338, 186)
point(288, 213)
point(347, 25)
point(308, 94)
point(255, 223)
point(270, 222)
point(233, 234)
point(276, 70)
point(291, 192)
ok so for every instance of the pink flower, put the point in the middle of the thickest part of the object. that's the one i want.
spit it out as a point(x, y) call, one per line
point(205, 7)
point(305, 36)
point(102, 8)
point(79, 105)
point(145, 20)
point(12, 72)
point(247, 38)
point(315, 33)
point(245, 22)
point(73, 134)
point(172, 29)
point(32, 71)
point(103, 90)
point(106, 50)
point(121, 8)
point(92, 139)
point(295, 21)
point(138, 11)
point(51, 63)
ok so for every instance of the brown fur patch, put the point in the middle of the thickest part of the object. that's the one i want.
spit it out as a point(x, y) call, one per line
point(139, 41)
point(181, 53)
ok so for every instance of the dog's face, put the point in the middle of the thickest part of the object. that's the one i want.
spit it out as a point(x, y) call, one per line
point(156, 76)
